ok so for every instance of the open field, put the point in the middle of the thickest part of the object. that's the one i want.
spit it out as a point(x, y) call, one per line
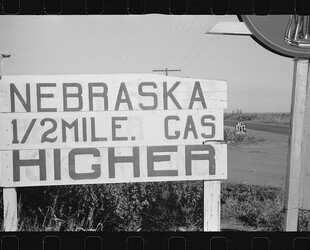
point(267, 127)
point(270, 118)
point(261, 163)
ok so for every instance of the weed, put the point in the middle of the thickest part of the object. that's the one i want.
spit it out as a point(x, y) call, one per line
point(259, 207)
point(161, 206)
point(239, 138)
point(271, 118)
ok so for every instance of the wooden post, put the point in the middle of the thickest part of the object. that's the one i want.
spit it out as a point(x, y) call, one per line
point(211, 207)
point(10, 209)
point(296, 140)
point(304, 195)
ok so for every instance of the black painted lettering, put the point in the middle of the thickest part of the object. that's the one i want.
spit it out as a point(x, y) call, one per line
point(209, 155)
point(26, 104)
point(93, 131)
point(116, 126)
point(45, 135)
point(103, 94)
point(42, 95)
point(134, 159)
point(210, 124)
point(73, 125)
point(15, 133)
point(123, 91)
point(77, 95)
point(17, 163)
point(57, 164)
point(176, 134)
point(190, 127)
point(84, 124)
point(29, 129)
point(150, 94)
point(151, 159)
point(200, 98)
point(168, 93)
point(95, 167)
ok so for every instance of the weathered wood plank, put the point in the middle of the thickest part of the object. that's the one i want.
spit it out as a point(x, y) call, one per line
point(109, 128)
point(212, 204)
point(108, 92)
point(296, 138)
point(106, 165)
point(304, 196)
point(10, 209)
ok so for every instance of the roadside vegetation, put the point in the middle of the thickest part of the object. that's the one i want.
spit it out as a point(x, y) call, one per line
point(270, 118)
point(233, 138)
point(166, 206)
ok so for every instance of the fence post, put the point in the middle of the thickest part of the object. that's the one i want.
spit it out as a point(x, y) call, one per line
point(10, 209)
point(211, 207)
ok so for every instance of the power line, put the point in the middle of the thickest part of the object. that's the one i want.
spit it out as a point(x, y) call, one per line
point(200, 52)
point(165, 70)
point(189, 52)
point(194, 46)
point(202, 49)
point(180, 42)
point(177, 39)
point(173, 36)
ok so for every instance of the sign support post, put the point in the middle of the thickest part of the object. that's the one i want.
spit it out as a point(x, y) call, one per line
point(295, 159)
point(10, 209)
point(211, 205)
point(9, 194)
point(304, 197)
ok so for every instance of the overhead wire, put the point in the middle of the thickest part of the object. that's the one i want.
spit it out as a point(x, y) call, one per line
point(195, 45)
point(201, 51)
point(198, 47)
point(177, 40)
point(181, 40)
point(173, 36)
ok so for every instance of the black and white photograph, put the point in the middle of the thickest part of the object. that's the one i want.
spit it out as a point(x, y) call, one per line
point(144, 123)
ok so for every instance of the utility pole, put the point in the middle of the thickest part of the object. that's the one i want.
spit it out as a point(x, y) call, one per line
point(165, 70)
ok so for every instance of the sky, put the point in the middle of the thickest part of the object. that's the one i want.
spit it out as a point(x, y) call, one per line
point(257, 79)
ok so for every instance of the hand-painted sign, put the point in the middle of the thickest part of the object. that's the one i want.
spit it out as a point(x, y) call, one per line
point(93, 165)
point(82, 129)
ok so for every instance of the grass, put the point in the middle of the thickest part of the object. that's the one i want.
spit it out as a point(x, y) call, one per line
point(257, 207)
point(166, 206)
point(230, 136)
point(270, 118)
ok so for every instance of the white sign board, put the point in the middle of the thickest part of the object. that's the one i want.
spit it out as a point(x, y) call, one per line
point(86, 129)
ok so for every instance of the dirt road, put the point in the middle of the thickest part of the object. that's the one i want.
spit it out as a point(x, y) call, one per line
point(263, 163)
